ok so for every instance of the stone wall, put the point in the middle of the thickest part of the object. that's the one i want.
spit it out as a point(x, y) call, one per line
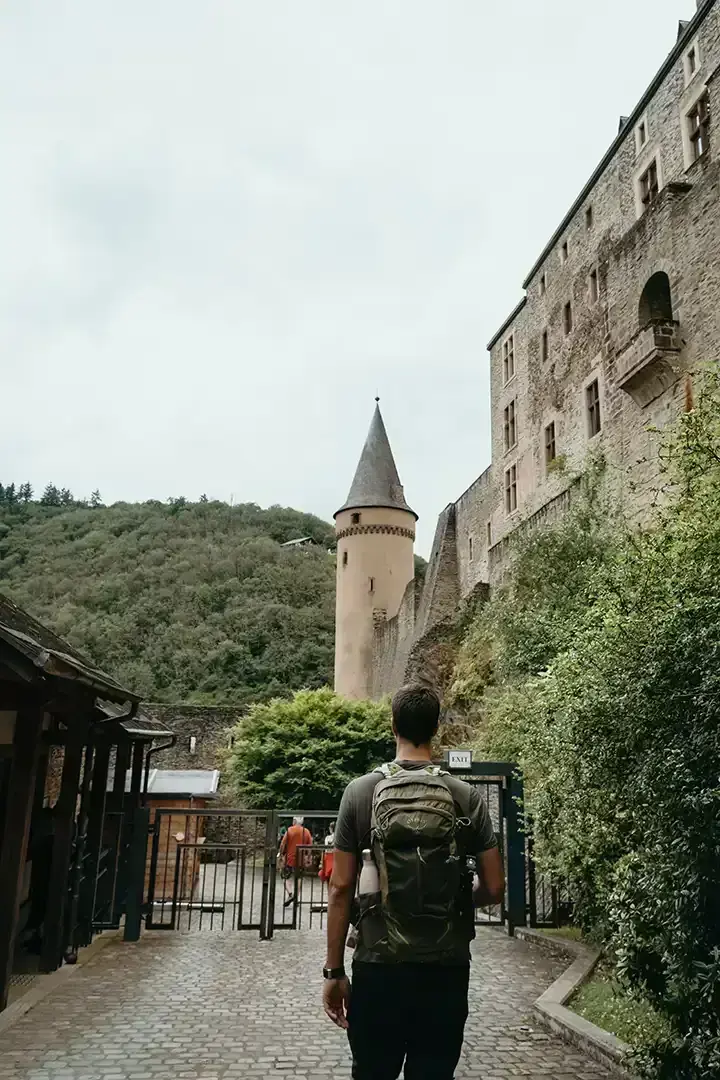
point(614, 247)
point(210, 725)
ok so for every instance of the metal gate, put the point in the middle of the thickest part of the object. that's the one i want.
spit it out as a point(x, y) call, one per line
point(219, 869)
point(210, 869)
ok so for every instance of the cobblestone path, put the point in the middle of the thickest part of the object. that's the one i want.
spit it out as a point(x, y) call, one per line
point(225, 1005)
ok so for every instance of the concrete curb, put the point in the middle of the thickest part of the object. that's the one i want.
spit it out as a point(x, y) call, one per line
point(550, 1008)
point(54, 980)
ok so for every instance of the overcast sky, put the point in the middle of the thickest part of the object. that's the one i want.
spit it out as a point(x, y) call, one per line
point(227, 224)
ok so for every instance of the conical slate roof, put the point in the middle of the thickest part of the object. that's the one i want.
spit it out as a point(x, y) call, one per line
point(376, 480)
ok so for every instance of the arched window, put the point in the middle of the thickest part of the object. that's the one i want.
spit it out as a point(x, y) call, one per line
point(656, 300)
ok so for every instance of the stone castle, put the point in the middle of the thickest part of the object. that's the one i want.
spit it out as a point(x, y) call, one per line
point(620, 307)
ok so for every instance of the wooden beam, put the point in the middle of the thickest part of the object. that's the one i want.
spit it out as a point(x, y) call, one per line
point(13, 852)
point(53, 944)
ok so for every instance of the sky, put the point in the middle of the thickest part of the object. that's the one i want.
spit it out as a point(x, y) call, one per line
point(227, 225)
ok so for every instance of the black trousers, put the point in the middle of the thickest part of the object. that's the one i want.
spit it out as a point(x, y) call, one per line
point(412, 1013)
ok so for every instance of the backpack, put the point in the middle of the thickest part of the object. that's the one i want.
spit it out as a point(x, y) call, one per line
point(418, 850)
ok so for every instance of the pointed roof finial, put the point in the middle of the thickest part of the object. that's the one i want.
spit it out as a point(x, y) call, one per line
point(376, 481)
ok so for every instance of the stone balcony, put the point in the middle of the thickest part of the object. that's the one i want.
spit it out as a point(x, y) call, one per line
point(648, 365)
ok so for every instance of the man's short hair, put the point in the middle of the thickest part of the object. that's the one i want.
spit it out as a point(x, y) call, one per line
point(416, 713)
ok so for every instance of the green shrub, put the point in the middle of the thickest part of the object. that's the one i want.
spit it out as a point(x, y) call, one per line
point(300, 754)
point(605, 685)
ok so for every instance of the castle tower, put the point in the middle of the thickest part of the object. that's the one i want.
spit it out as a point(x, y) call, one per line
point(375, 531)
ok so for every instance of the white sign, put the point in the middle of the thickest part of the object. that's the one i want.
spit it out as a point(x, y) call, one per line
point(460, 759)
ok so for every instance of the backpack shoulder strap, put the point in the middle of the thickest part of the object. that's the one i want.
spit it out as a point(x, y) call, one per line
point(389, 769)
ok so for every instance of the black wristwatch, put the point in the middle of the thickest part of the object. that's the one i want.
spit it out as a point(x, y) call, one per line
point(333, 973)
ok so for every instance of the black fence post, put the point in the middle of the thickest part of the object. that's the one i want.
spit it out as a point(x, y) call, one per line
point(267, 905)
point(136, 863)
point(516, 913)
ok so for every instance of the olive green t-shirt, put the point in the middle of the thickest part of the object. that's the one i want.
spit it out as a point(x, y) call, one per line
point(352, 834)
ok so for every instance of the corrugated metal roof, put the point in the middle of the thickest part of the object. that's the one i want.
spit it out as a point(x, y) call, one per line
point(200, 783)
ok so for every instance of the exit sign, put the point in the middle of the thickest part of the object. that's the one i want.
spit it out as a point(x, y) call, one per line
point(460, 759)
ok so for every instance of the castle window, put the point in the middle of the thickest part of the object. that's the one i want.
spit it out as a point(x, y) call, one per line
point(192, 744)
point(691, 62)
point(355, 519)
point(470, 549)
point(656, 301)
point(510, 426)
point(344, 558)
point(545, 347)
point(641, 135)
point(550, 451)
point(698, 124)
point(593, 289)
point(588, 218)
point(564, 252)
point(489, 534)
point(592, 403)
point(508, 355)
point(649, 184)
point(568, 317)
point(372, 584)
point(543, 284)
point(511, 489)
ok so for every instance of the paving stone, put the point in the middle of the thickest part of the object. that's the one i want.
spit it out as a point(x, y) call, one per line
point(222, 1005)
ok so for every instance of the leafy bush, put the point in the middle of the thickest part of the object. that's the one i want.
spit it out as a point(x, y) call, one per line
point(608, 693)
point(300, 754)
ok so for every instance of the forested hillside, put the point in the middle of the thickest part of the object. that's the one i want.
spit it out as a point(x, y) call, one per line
point(181, 601)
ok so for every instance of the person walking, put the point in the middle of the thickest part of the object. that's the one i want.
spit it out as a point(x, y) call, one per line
point(416, 832)
point(296, 836)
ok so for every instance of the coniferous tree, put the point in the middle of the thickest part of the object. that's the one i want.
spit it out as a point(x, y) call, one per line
point(96, 499)
point(66, 497)
point(25, 492)
point(50, 496)
point(10, 495)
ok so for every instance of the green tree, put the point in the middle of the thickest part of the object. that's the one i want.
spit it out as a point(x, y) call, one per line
point(202, 604)
point(96, 499)
point(303, 752)
point(50, 496)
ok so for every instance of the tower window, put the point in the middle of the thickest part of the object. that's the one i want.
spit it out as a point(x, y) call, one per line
point(510, 426)
point(355, 519)
point(489, 534)
point(372, 584)
point(593, 286)
point(568, 317)
point(592, 401)
point(698, 121)
point(470, 549)
point(649, 184)
point(545, 347)
point(508, 355)
point(564, 251)
point(588, 218)
point(344, 558)
point(550, 452)
point(511, 489)
point(543, 284)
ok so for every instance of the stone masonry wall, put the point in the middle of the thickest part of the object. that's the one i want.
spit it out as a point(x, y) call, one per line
point(619, 244)
point(678, 234)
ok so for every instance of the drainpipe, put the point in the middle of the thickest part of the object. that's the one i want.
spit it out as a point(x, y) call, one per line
point(151, 751)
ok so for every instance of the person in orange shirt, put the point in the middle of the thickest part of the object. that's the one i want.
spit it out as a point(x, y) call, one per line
point(296, 836)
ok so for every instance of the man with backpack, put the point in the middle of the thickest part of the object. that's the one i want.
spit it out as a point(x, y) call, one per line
point(416, 831)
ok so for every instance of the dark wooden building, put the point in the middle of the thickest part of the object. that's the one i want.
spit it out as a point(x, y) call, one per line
point(69, 840)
